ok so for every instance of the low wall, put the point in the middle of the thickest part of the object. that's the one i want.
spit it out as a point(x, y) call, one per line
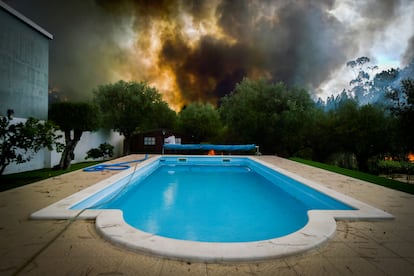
point(88, 140)
point(48, 159)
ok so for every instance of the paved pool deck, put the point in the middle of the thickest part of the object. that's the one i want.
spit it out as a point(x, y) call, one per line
point(61, 247)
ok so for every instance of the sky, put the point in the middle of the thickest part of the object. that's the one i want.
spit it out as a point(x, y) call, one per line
point(196, 50)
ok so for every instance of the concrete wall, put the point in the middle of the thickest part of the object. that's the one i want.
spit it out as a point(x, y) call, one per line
point(90, 140)
point(24, 68)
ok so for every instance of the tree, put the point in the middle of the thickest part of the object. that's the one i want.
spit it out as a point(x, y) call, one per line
point(19, 142)
point(73, 119)
point(247, 112)
point(270, 115)
point(403, 108)
point(130, 107)
point(362, 83)
point(384, 84)
point(372, 135)
point(321, 137)
point(200, 121)
point(363, 131)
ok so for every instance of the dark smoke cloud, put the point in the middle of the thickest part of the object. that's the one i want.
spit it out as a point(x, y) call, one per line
point(83, 51)
point(299, 42)
point(409, 52)
point(205, 72)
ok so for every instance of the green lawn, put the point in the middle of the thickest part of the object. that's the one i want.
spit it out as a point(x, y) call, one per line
point(393, 184)
point(11, 181)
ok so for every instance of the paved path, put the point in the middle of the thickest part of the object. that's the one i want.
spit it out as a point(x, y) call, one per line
point(59, 247)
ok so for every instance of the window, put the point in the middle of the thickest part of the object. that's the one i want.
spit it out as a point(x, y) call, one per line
point(177, 140)
point(149, 141)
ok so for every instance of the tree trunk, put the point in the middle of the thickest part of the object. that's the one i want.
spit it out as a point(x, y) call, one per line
point(127, 144)
point(362, 160)
point(2, 168)
point(4, 161)
point(70, 145)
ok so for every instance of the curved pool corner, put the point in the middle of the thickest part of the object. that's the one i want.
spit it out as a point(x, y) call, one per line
point(321, 226)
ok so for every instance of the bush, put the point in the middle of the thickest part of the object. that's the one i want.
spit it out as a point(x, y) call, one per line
point(104, 151)
point(389, 167)
point(306, 153)
point(345, 160)
point(408, 167)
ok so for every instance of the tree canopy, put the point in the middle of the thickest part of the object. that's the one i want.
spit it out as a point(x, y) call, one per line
point(267, 114)
point(200, 121)
point(19, 141)
point(73, 118)
point(130, 107)
point(403, 108)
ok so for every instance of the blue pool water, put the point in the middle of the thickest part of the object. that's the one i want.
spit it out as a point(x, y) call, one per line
point(214, 200)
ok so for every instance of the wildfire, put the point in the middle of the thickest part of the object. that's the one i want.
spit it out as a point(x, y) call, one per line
point(155, 47)
point(410, 157)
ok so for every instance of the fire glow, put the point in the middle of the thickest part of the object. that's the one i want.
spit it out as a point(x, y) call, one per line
point(410, 157)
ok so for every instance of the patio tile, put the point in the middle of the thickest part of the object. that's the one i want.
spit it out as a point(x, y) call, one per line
point(394, 266)
point(94, 248)
point(336, 249)
point(170, 267)
point(9, 265)
point(228, 269)
point(410, 260)
point(24, 242)
point(355, 266)
point(273, 267)
point(371, 249)
point(137, 264)
point(403, 249)
point(312, 266)
point(45, 265)
point(349, 232)
point(382, 232)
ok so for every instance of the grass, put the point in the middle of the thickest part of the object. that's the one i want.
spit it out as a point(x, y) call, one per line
point(15, 180)
point(389, 183)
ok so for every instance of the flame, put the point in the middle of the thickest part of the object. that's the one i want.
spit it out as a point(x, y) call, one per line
point(410, 157)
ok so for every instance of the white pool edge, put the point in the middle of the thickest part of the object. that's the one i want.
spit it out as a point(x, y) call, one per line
point(320, 228)
point(111, 225)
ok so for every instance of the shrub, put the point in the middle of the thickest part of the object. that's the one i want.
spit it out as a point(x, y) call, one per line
point(104, 151)
point(389, 166)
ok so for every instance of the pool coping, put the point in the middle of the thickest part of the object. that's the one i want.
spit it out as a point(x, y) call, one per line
point(111, 225)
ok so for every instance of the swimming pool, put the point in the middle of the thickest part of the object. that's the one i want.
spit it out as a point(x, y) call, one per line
point(187, 209)
point(214, 200)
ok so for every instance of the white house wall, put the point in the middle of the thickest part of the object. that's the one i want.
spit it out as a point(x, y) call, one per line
point(48, 159)
point(94, 139)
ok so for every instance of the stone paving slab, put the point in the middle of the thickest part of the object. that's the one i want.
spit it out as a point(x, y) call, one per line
point(32, 247)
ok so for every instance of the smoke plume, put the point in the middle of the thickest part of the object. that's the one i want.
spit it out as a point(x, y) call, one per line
point(195, 50)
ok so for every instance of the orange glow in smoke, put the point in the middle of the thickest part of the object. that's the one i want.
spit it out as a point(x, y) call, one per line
point(410, 157)
point(143, 51)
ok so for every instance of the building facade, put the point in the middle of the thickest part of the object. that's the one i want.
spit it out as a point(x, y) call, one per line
point(24, 82)
point(24, 65)
point(24, 75)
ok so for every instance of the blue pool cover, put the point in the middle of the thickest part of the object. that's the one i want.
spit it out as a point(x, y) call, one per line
point(210, 147)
